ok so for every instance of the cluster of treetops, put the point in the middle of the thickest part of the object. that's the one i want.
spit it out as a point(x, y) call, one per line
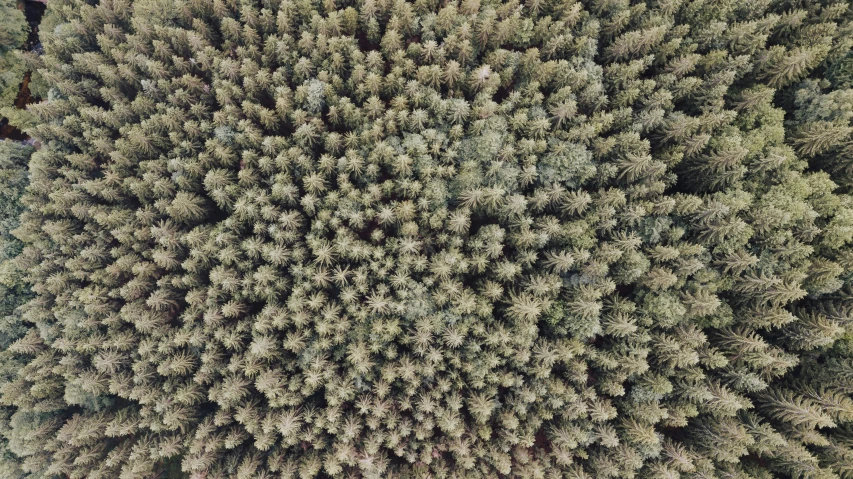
point(431, 239)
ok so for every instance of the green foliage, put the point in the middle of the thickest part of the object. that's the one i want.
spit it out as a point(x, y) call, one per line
point(13, 34)
point(841, 72)
point(472, 239)
point(13, 290)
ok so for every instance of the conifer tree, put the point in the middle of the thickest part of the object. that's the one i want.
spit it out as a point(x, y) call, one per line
point(13, 34)
point(466, 239)
point(13, 290)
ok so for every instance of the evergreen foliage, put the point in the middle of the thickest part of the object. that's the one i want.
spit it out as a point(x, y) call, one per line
point(13, 290)
point(13, 34)
point(458, 239)
point(18, 57)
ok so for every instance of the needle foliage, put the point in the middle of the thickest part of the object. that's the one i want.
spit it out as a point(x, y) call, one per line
point(438, 239)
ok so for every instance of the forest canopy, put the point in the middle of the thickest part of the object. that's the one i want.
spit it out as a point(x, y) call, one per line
point(431, 239)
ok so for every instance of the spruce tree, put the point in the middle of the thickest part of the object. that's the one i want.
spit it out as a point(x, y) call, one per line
point(466, 239)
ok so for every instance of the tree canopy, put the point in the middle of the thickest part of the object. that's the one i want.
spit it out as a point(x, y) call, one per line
point(456, 239)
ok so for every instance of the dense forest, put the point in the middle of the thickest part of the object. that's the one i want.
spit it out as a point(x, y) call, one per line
point(263, 239)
